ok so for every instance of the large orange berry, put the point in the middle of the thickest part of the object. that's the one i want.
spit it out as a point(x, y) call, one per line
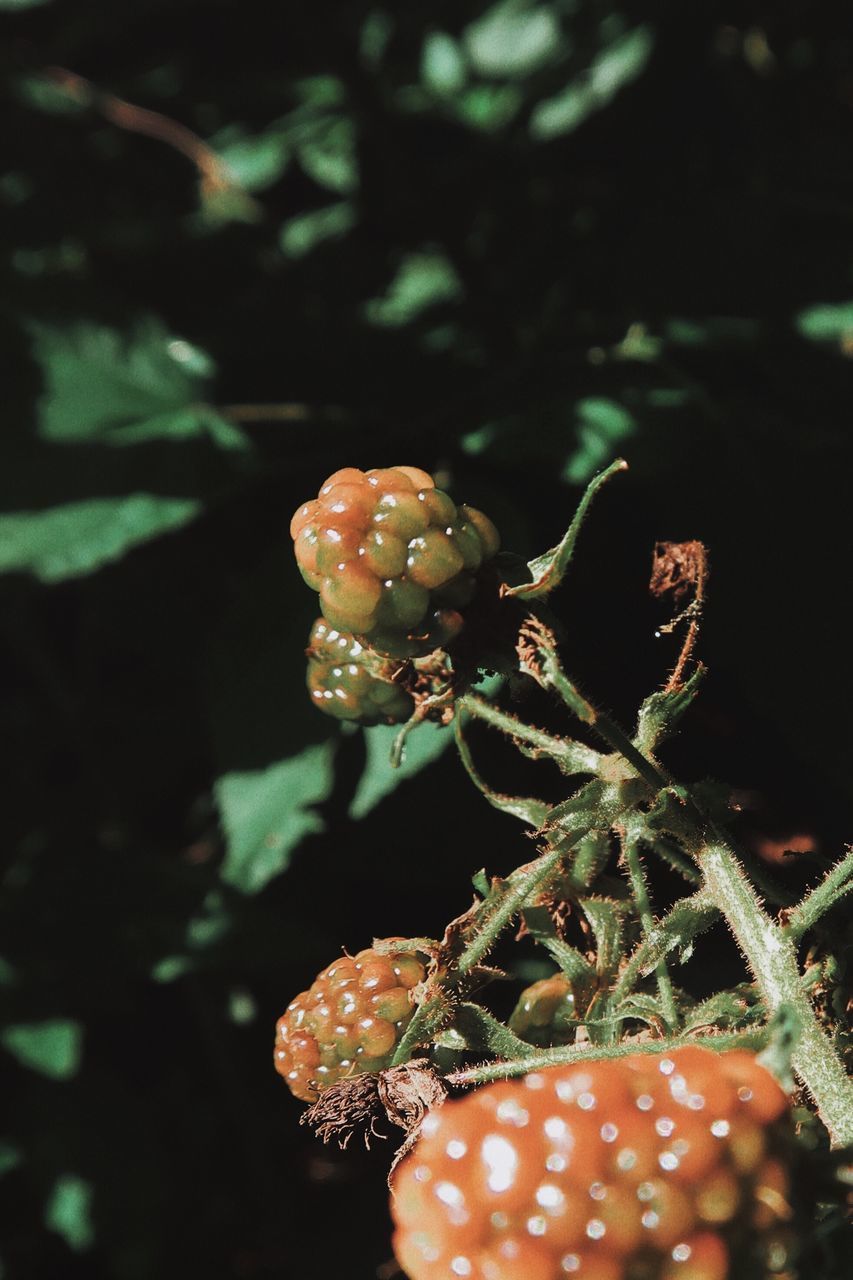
point(391, 556)
point(350, 1020)
point(604, 1170)
point(345, 682)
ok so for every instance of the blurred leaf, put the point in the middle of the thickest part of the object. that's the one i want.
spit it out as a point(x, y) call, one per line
point(489, 106)
point(210, 924)
point(622, 62)
point(513, 38)
point(327, 154)
point(172, 967)
point(102, 385)
point(422, 280)
point(442, 64)
point(254, 161)
point(601, 425)
point(68, 1211)
point(52, 1048)
point(21, 4)
point(321, 91)
point(265, 814)
point(826, 323)
point(303, 233)
point(79, 537)
point(44, 94)
point(375, 34)
point(10, 1157)
point(423, 745)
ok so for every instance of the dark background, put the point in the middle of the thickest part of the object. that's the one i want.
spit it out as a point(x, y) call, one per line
point(506, 243)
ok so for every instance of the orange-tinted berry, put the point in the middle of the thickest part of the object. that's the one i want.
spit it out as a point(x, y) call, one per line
point(349, 1021)
point(604, 1170)
point(341, 684)
point(383, 548)
point(545, 1012)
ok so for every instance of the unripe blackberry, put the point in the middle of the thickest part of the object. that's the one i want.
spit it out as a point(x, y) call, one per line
point(344, 681)
point(648, 1167)
point(545, 1014)
point(386, 549)
point(350, 1020)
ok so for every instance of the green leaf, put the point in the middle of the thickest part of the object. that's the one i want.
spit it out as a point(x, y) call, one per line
point(68, 1211)
point(442, 64)
point(379, 778)
point(601, 425)
point(256, 161)
point(827, 322)
point(79, 537)
point(303, 233)
point(482, 1033)
point(611, 70)
point(608, 919)
point(373, 40)
point(267, 812)
point(514, 38)
point(727, 1009)
point(489, 106)
point(540, 925)
point(661, 712)
point(327, 154)
point(104, 386)
point(52, 1048)
point(547, 571)
point(10, 1157)
point(527, 808)
point(210, 924)
point(423, 280)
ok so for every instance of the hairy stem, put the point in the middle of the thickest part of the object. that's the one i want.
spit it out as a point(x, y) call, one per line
point(572, 757)
point(520, 885)
point(772, 957)
point(631, 854)
point(755, 1038)
point(836, 883)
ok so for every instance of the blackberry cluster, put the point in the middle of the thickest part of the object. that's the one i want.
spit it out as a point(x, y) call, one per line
point(350, 1020)
point(343, 682)
point(393, 558)
point(649, 1167)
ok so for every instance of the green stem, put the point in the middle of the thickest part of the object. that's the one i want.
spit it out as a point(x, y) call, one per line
point(836, 883)
point(772, 957)
point(552, 675)
point(755, 1038)
point(631, 854)
point(572, 757)
point(518, 888)
point(688, 917)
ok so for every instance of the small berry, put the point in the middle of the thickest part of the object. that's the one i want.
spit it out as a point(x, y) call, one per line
point(619, 1169)
point(545, 1014)
point(350, 1020)
point(386, 549)
point(343, 681)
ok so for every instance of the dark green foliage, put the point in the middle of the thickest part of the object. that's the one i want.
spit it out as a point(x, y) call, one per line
point(506, 242)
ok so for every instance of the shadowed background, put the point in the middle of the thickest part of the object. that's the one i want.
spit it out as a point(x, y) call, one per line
point(503, 241)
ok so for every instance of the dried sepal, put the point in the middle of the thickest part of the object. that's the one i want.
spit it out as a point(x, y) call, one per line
point(401, 1095)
